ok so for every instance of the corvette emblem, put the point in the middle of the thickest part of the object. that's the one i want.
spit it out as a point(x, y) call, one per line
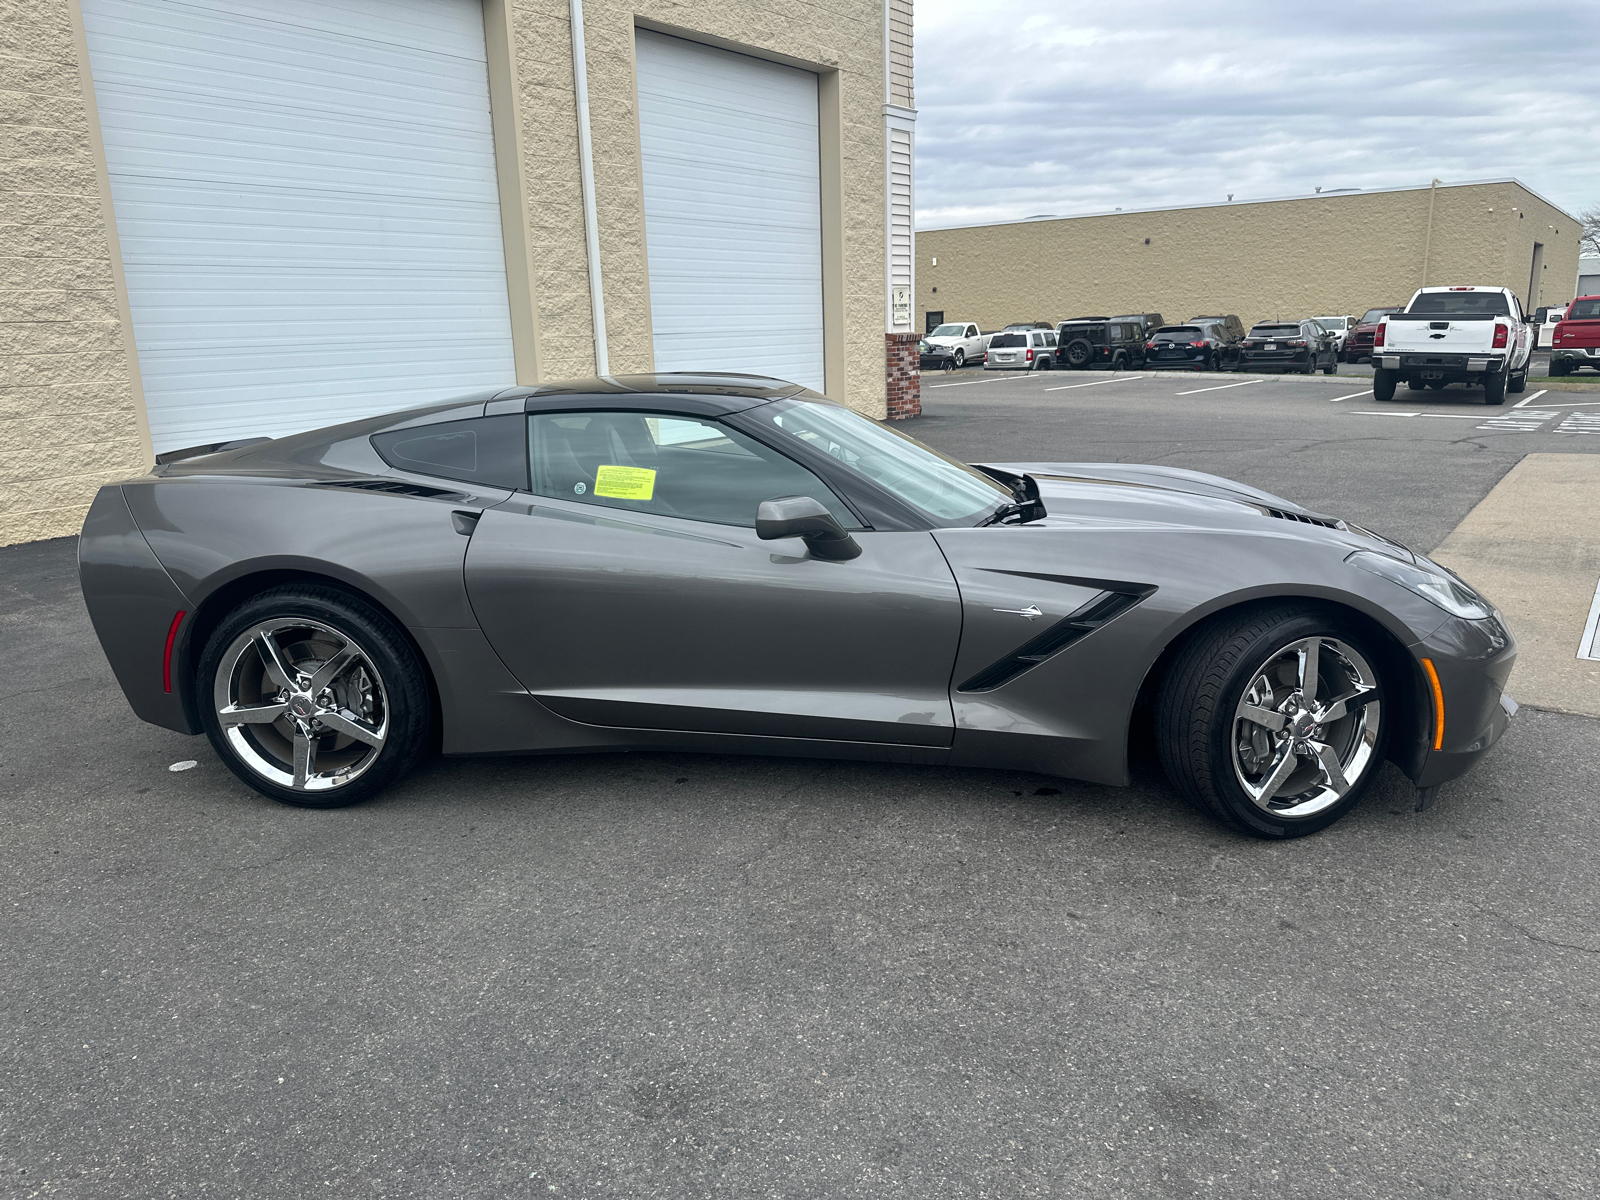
point(1031, 612)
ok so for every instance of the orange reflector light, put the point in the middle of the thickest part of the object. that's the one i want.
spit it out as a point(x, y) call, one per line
point(1438, 704)
point(166, 655)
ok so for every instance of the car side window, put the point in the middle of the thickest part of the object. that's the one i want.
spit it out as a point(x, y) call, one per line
point(484, 450)
point(1049, 339)
point(972, 331)
point(675, 466)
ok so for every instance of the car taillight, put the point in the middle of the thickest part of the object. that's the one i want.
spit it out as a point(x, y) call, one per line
point(1377, 335)
point(1501, 333)
point(1198, 345)
point(1028, 357)
point(1149, 345)
point(1294, 343)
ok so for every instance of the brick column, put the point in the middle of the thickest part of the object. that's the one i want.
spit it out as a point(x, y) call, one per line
point(901, 365)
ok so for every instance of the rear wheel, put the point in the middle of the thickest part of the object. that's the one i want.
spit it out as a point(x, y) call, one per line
point(1273, 721)
point(1383, 384)
point(1045, 362)
point(1333, 365)
point(313, 697)
point(1518, 383)
point(1494, 388)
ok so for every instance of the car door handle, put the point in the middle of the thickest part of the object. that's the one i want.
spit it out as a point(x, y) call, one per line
point(465, 522)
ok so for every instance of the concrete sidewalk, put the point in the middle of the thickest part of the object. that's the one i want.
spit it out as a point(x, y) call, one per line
point(1532, 545)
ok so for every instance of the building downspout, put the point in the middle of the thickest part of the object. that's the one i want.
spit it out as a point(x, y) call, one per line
point(1427, 245)
point(591, 220)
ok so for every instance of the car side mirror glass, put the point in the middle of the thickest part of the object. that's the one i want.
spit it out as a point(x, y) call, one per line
point(805, 517)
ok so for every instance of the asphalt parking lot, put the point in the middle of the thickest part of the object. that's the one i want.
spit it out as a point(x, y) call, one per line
point(671, 976)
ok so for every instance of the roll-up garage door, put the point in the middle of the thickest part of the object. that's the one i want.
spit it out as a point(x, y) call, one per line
point(733, 216)
point(305, 196)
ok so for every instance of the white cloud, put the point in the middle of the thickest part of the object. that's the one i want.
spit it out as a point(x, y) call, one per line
point(1088, 107)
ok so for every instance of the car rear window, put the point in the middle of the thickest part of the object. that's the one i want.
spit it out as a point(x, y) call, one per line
point(1177, 333)
point(1275, 331)
point(1461, 304)
point(1374, 315)
point(1584, 310)
point(1004, 340)
point(485, 450)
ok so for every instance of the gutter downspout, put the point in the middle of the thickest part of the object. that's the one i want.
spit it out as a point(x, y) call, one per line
point(1427, 246)
point(591, 221)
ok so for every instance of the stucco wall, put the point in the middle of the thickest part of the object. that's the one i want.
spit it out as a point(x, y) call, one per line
point(68, 417)
point(845, 35)
point(1324, 255)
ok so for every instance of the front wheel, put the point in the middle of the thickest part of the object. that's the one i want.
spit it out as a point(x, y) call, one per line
point(1383, 383)
point(959, 358)
point(1273, 721)
point(313, 697)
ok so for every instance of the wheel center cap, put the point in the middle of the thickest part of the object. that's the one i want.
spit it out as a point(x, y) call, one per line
point(303, 707)
point(1302, 724)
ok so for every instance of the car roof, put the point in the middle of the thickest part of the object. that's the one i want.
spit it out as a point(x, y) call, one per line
point(711, 391)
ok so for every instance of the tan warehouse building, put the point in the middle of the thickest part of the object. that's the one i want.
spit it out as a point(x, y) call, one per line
point(228, 218)
point(1324, 255)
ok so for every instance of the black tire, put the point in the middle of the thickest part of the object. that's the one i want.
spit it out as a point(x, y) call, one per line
point(401, 683)
point(1078, 353)
point(1557, 368)
point(1383, 383)
point(1311, 364)
point(959, 357)
point(1196, 728)
point(1044, 362)
point(1518, 383)
point(1417, 385)
point(1494, 387)
point(1333, 366)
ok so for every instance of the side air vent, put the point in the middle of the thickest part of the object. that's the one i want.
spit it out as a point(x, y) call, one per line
point(1324, 522)
point(1103, 609)
point(394, 487)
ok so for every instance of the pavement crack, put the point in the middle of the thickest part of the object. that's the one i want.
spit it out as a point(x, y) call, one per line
point(1535, 937)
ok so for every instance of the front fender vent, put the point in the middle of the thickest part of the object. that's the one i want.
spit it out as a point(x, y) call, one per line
point(1102, 610)
point(394, 487)
point(1324, 522)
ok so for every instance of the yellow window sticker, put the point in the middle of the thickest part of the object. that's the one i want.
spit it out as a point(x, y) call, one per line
point(625, 483)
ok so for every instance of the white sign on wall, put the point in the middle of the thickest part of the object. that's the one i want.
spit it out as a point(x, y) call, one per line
point(900, 305)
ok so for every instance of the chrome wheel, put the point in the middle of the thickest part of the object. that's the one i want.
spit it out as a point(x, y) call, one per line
point(1306, 728)
point(301, 704)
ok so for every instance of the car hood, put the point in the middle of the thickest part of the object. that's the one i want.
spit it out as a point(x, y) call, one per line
point(1140, 495)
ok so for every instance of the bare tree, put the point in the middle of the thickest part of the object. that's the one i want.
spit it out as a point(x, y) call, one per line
point(1590, 242)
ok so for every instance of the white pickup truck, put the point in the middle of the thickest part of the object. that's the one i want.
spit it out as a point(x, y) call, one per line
point(961, 341)
point(1477, 336)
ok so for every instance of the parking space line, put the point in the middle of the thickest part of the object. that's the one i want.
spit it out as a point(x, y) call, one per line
point(1529, 400)
point(1572, 404)
point(1351, 396)
point(1219, 387)
point(1094, 383)
point(1589, 644)
point(970, 382)
point(1365, 412)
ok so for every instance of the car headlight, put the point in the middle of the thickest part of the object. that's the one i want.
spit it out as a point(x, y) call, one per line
point(1431, 583)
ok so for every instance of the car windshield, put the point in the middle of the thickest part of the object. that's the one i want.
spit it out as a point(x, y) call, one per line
point(1584, 310)
point(1001, 340)
point(1461, 304)
point(1275, 331)
point(1332, 324)
point(941, 487)
point(949, 331)
point(1178, 333)
point(1374, 315)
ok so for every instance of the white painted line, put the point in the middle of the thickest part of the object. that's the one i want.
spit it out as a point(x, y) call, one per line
point(1529, 400)
point(1571, 404)
point(1589, 644)
point(1096, 383)
point(1373, 412)
point(1351, 396)
point(1219, 387)
point(970, 382)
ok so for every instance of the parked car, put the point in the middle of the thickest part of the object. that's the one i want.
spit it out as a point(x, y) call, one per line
point(1024, 350)
point(1358, 342)
point(1117, 343)
point(1302, 346)
point(1464, 334)
point(935, 358)
point(1193, 347)
point(1337, 327)
point(1148, 323)
point(1229, 331)
point(1576, 340)
point(1545, 321)
point(1027, 325)
point(731, 564)
point(962, 339)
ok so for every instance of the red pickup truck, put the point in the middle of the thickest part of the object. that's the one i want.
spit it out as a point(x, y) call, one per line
point(1576, 342)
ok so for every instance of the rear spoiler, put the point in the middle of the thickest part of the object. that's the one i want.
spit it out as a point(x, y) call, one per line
point(172, 456)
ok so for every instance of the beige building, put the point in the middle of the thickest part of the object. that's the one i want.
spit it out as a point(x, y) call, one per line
point(238, 217)
point(1325, 255)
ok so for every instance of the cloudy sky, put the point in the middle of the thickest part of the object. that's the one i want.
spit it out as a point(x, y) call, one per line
point(1028, 108)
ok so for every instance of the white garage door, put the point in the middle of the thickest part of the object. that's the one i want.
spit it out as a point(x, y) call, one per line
point(732, 204)
point(306, 201)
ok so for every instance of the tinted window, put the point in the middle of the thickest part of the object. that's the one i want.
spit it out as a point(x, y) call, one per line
point(486, 450)
point(1276, 331)
point(1461, 304)
point(1003, 341)
point(1178, 333)
point(950, 331)
point(1374, 315)
point(1584, 310)
point(668, 465)
point(972, 331)
point(1049, 339)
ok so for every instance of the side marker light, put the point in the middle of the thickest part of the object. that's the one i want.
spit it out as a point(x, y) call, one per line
point(1438, 703)
point(166, 655)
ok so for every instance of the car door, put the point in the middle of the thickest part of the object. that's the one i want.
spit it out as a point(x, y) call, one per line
point(973, 342)
point(627, 588)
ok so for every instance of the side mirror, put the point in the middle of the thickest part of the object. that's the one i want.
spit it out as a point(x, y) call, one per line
point(805, 517)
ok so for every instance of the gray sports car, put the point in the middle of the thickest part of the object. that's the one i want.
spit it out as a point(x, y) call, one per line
point(734, 564)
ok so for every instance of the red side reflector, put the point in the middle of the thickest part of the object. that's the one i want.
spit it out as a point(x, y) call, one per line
point(166, 655)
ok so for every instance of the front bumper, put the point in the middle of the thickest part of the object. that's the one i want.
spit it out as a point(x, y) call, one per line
point(1472, 659)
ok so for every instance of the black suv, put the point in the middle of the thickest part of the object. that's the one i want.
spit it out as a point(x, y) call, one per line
point(1115, 342)
point(1148, 323)
point(1197, 346)
point(1229, 330)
